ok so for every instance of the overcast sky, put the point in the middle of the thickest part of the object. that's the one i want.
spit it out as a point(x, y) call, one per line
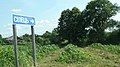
point(45, 12)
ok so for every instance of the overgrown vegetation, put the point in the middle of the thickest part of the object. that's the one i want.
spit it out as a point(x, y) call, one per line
point(79, 40)
point(88, 56)
point(110, 48)
point(25, 57)
point(73, 54)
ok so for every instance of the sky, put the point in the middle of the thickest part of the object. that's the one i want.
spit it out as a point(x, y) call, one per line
point(45, 12)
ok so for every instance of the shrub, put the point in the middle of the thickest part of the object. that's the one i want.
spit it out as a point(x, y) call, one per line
point(73, 54)
point(45, 50)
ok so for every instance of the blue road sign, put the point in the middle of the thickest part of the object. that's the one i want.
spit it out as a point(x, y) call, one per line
point(17, 19)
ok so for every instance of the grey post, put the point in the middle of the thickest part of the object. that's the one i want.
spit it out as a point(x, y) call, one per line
point(15, 45)
point(33, 46)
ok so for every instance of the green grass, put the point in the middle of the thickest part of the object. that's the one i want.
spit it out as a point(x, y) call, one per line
point(95, 55)
point(91, 56)
point(24, 54)
point(115, 49)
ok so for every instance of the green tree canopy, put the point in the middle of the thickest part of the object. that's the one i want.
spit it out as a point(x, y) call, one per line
point(97, 15)
point(67, 26)
point(76, 26)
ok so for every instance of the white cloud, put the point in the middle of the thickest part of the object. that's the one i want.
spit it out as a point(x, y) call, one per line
point(116, 17)
point(18, 27)
point(45, 25)
point(8, 26)
point(21, 30)
point(41, 23)
point(115, 1)
point(16, 10)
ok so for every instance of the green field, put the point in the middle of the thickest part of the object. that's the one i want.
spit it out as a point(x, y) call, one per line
point(95, 55)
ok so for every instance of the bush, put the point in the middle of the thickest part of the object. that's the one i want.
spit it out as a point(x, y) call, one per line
point(73, 54)
point(45, 50)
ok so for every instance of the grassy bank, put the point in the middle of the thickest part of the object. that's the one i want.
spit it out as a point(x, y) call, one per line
point(95, 55)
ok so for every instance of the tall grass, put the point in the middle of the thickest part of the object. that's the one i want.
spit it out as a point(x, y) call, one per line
point(110, 48)
point(7, 58)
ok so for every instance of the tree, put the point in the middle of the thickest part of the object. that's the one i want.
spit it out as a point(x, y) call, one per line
point(88, 25)
point(114, 37)
point(46, 38)
point(96, 15)
point(27, 37)
point(67, 25)
point(47, 34)
point(55, 38)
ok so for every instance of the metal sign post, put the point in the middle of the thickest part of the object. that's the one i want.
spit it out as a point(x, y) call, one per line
point(17, 19)
point(15, 45)
point(33, 46)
